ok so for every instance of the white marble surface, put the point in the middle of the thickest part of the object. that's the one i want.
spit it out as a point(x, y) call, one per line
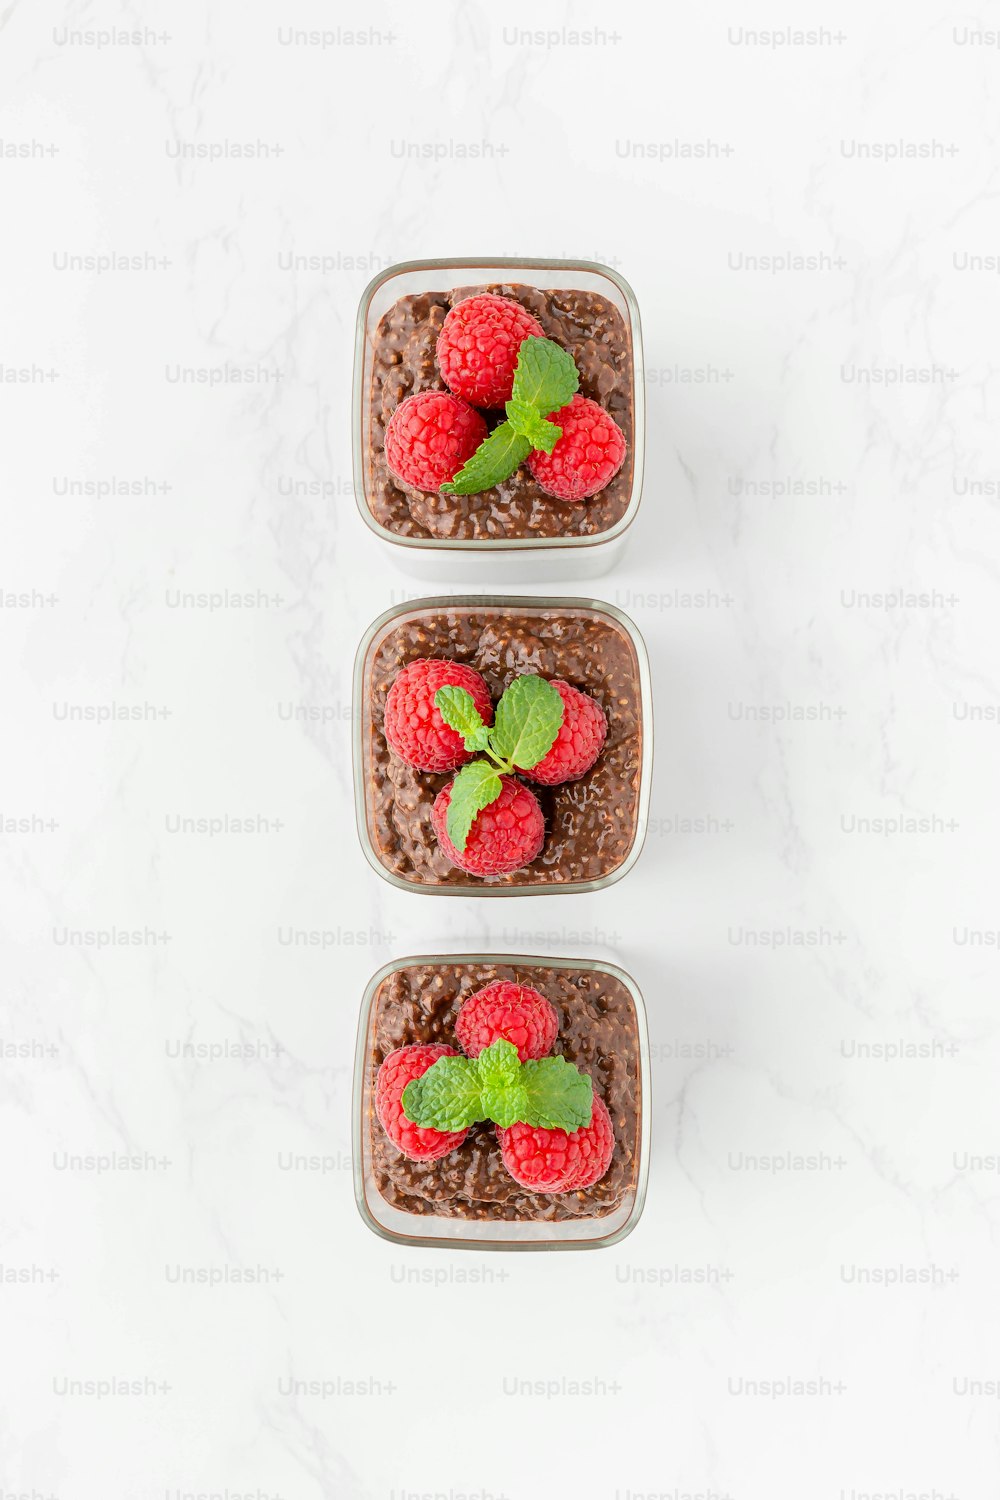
point(784, 485)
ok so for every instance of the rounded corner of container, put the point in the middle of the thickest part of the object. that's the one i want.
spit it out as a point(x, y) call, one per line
point(380, 532)
point(365, 1213)
point(631, 1223)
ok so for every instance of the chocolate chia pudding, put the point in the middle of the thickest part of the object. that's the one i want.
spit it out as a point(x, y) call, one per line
point(598, 1033)
point(589, 327)
point(591, 824)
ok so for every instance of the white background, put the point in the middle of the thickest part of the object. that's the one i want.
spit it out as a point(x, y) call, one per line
point(785, 487)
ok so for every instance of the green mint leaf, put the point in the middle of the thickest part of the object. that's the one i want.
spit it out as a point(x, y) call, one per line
point(529, 422)
point(499, 1064)
point(528, 718)
point(458, 709)
point(495, 459)
point(503, 1095)
point(546, 376)
point(475, 787)
point(446, 1097)
point(457, 1092)
point(557, 1095)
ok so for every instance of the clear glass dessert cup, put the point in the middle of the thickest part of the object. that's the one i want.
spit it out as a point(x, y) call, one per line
point(401, 1227)
point(525, 559)
point(535, 880)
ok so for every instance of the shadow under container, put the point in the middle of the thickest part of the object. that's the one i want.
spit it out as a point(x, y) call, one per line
point(602, 1031)
point(595, 826)
point(526, 557)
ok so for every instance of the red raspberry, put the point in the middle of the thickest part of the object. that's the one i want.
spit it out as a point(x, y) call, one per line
point(586, 457)
point(429, 438)
point(597, 1146)
point(414, 728)
point(579, 742)
point(552, 1161)
point(477, 347)
point(418, 1142)
point(510, 1011)
point(504, 837)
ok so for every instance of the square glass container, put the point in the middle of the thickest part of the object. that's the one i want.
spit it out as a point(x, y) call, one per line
point(521, 559)
point(424, 613)
point(402, 1227)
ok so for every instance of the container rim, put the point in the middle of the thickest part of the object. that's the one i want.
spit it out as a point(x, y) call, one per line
point(504, 601)
point(500, 544)
point(592, 965)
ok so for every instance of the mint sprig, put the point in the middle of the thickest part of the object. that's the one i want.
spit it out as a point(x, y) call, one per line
point(528, 719)
point(529, 423)
point(457, 1092)
point(502, 1096)
point(545, 379)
